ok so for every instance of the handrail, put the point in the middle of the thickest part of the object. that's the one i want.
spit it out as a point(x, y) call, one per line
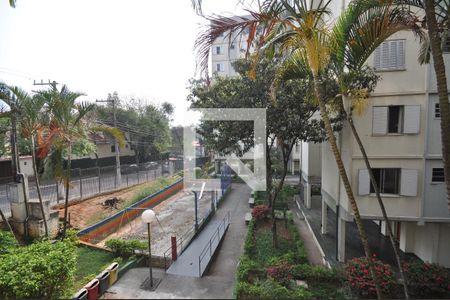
point(225, 222)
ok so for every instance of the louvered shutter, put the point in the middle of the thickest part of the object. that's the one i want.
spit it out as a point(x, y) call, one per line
point(411, 119)
point(377, 58)
point(385, 55)
point(408, 182)
point(393, 54)
point(401, 54)
point(379, 120)
point(363, 182)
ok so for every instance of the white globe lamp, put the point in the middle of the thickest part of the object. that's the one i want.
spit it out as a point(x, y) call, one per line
point(148, 216)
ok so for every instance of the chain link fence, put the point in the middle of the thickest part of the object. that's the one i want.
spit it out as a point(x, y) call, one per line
point(89, 182)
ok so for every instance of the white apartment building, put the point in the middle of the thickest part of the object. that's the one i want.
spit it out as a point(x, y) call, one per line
point(401, 134)
point(225, 50)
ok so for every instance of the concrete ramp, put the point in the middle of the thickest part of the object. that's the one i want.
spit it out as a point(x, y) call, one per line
point(196, 257)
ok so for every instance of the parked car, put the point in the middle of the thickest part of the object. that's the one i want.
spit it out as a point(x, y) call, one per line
point(129, 169)
point(151, 165)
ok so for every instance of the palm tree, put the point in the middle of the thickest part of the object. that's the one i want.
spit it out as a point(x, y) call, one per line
point(68, 124)
point(12, 3)
point(360, 29)
point(15, 105)
point(300, 30)
point(437, 23)
point(30, 123)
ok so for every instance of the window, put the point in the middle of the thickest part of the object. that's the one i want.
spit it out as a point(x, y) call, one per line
point(437, 111)
point(388, 180)
point(232, 46)
point(447, 46)
point(216, 50)
point(390, 55)
point(395, 119)
point(113, 148)
point(220, 67)
point(392, 181)
point(437, 175)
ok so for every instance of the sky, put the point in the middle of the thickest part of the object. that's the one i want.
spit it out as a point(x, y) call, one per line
point(139, 48)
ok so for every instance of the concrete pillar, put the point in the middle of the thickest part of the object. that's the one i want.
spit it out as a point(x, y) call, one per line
point(341, 240)
point(407, 236)
point(308, 195)
point(324, 217)
point(217, 166)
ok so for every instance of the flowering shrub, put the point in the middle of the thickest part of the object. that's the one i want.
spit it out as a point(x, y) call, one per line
point(425, 279)
point(260, 212)
point(280, 273)
point(360, 279)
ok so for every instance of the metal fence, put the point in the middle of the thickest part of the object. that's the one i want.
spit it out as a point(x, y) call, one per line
point(89, 182)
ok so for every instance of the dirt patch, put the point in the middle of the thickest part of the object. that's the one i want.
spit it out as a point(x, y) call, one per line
point(282, 231)
point(176, 216)
point(93, 210)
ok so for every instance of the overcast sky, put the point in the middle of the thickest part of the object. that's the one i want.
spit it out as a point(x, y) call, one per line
point(139, 48)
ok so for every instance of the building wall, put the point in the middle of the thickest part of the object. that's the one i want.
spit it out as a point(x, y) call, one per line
point(430, 241)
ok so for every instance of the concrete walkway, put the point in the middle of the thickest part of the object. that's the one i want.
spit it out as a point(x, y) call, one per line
point(218, 282)
point(313, 251)
point(195, 259)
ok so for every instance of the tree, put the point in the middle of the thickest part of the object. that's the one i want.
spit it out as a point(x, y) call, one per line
point(289, 117)
point(68, 124)
point(31, 122)
point(146, 124)
point(360, 29)
point(301, 31)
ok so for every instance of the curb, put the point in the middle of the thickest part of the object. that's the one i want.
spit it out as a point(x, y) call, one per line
point(316, 241)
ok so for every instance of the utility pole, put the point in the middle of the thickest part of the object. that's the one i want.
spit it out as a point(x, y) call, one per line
point(52, 83)
point(118, 177)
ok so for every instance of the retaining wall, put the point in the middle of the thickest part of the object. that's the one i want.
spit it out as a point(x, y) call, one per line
point(99, 231)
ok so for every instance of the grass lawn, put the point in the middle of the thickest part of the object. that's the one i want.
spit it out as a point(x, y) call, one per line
point(90, 263)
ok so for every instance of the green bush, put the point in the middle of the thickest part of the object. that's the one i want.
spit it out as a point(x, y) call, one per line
point(246, 265)
point(7, 242)
point(41, 270)
point(316, 273)
point(125, 248)
point(427, 280)
point(249, 245)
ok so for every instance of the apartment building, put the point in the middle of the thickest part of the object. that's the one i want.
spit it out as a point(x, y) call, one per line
point(401, 134)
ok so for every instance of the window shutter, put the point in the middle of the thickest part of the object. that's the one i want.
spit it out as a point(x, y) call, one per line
point(363, 182)
point(408, 181)
point(401, 54)
point(377, 58)
point(385, 55)
point(379, 120)
point(412, 119)
point(393, 55)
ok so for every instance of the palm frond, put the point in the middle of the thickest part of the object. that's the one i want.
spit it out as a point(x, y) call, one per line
point(115, 132)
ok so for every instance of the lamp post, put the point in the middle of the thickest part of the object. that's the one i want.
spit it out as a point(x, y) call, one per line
point(148, 216)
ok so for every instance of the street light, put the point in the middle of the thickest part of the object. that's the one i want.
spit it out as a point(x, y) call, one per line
point(147, 217)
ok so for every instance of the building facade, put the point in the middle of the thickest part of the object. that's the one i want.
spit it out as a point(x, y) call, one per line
point(401, 134)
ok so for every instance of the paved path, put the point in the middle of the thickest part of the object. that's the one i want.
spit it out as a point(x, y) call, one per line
point(203, 246)
point(314, 253)
point(218, 282)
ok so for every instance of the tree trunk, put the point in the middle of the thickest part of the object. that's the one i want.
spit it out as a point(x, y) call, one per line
point(7, 223)
point(441, 78)
point(38, 186)
point(345, 180)
point(66, 201)
point(380, 202)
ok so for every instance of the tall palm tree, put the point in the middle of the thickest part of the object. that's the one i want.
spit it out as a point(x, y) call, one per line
point(15, 105)
point(68, 124)
point(301, 30)
point(359, 30)
point(437, 23)
point(30, 123)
